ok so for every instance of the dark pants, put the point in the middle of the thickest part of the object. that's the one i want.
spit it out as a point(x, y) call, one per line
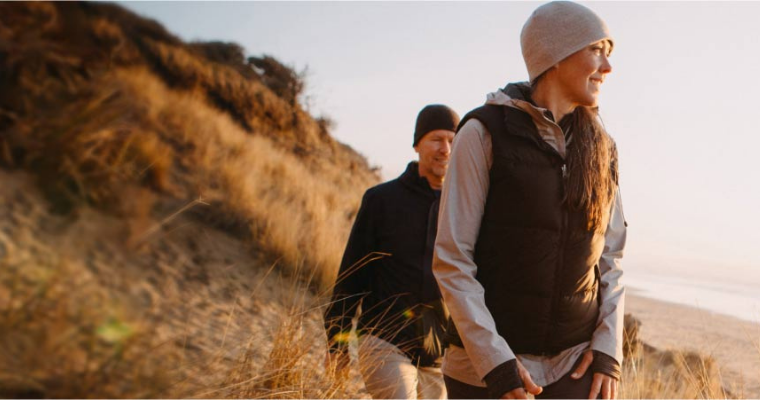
point(565, 388)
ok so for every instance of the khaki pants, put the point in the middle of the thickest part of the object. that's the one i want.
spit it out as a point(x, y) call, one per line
point(389, 374)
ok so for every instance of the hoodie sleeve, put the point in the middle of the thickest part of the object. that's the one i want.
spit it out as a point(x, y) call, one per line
point(608, 337)
point(353, 279)
point(462, 205)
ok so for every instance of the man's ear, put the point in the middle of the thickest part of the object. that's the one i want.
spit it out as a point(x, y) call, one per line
point(416, 149)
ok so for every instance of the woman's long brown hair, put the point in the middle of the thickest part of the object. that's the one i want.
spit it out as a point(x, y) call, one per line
point(591, 178)
point(591, 166)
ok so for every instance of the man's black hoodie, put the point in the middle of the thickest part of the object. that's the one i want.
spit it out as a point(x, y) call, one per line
point(399, 297)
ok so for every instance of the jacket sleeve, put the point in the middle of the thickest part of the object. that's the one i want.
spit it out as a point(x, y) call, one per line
point(353, 281)
point(462, 205)
point(608, 336)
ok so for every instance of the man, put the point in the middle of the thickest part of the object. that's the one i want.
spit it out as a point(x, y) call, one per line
point(386, 275)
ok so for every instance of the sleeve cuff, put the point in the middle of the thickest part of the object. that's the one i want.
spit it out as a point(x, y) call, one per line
point(605, 364)
point(504, 378)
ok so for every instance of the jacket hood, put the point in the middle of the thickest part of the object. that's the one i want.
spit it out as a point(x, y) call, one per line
point(411, 178)
point(520, 91)
point(517, 95)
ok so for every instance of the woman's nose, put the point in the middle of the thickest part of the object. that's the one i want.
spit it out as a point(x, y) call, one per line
point(606, 67)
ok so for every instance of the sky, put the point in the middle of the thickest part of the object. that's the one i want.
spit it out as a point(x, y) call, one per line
point(679, 101)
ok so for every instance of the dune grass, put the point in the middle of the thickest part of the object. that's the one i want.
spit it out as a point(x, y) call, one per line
point(98, 101)
point(182, 165)
point(88, 345)
point(176, 321)
point(62, 336)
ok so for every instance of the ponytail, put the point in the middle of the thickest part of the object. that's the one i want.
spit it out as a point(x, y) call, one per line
point(591, 166)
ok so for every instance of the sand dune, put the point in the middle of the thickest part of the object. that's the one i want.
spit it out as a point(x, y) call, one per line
point(732, 342)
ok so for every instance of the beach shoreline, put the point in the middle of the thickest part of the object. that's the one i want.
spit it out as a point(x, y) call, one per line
point(732, 342)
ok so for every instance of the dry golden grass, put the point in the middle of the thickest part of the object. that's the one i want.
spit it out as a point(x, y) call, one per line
point(649, 373)
point(63, 336)
point(293, 368)
point(189, 313)
point(652, 373)
point(173, 172)
point(142, 109)
point(673, 375)
point(64, 333)
point(291, 210)
point(107, 110)
point(182, 320)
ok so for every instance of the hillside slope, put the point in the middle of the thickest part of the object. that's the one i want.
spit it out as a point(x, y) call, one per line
point(97, 100)
point(157, 199)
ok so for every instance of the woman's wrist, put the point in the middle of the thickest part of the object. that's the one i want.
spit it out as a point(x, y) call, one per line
point(503, 379)
point(605, 364)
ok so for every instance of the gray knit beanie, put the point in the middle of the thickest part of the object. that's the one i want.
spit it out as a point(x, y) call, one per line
point(555, 31)
point(434, 117)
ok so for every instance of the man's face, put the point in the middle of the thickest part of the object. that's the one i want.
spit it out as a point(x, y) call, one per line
point(434, 150)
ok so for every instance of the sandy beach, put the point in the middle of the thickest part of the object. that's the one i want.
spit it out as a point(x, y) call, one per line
point(732, 342)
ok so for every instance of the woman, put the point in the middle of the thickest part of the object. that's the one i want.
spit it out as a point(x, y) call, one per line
point(531, 229)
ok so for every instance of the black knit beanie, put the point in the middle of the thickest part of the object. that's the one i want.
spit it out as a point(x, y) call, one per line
point(434, 117)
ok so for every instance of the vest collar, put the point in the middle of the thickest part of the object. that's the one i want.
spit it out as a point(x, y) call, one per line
point(517, 96)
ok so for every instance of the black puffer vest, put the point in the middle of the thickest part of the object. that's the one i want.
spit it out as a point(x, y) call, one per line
point(536, 260)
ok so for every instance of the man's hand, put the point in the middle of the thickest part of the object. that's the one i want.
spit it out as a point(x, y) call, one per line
point(604, 384)
point(529, 385)
point(337, 363)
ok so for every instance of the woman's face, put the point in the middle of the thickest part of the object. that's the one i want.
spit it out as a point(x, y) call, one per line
point(580, 75)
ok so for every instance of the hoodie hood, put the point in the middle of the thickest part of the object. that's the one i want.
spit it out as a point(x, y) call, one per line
point(512, 95)
point(518, 95)
point(411, 178)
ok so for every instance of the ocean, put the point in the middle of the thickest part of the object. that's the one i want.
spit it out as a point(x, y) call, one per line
point(731, 295)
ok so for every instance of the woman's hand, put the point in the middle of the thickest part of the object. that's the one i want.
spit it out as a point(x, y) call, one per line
point(604, 384)
point(529, 385)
